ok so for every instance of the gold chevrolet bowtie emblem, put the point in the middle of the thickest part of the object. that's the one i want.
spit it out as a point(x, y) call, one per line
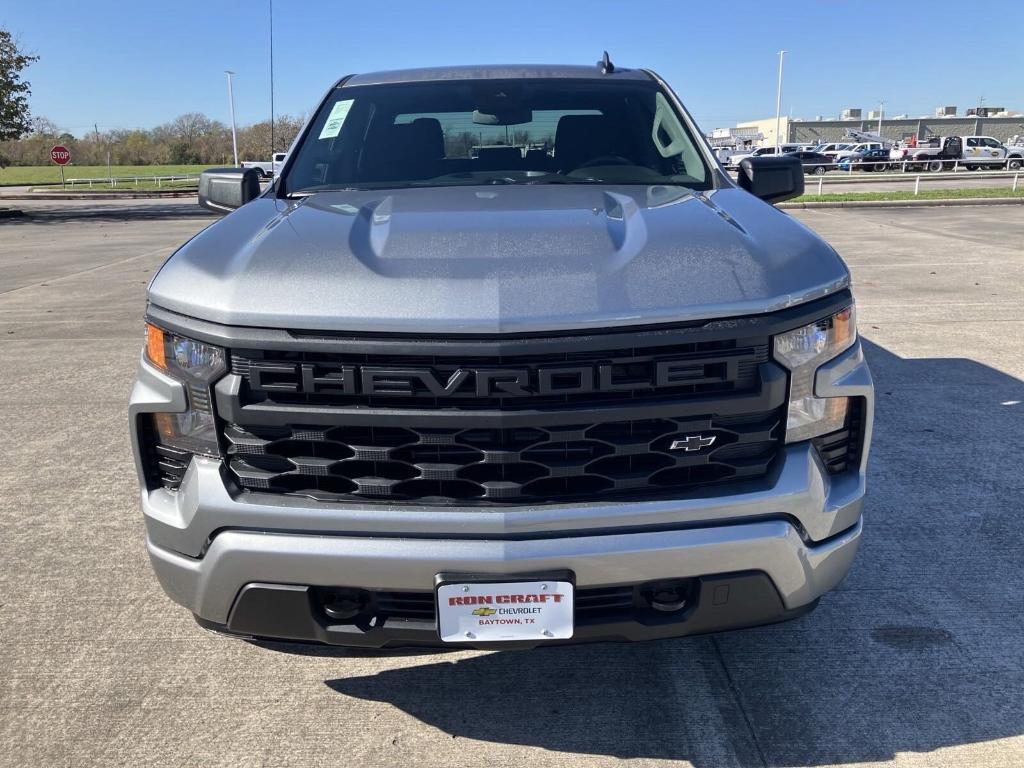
point(484, 611)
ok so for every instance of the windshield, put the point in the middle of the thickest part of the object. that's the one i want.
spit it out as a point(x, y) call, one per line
point(496, 132)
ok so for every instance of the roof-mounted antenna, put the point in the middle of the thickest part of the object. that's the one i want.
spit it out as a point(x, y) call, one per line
point(606, 64)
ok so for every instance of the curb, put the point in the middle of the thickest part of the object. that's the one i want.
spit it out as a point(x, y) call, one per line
point(99, 195)
point(906, 203)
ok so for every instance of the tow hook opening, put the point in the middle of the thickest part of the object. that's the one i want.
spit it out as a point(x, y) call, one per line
point(345, 604)
point(668, 596)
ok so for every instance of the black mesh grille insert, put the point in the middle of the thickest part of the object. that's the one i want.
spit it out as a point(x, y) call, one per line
point(590, 603)
point(508, 465)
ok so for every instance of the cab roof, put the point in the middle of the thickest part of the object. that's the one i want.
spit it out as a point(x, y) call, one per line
point(493, 72)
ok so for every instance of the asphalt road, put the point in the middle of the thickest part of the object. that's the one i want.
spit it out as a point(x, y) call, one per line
point(917, 660)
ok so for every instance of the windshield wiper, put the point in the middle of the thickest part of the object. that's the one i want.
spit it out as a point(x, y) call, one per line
point(568, 180)
point(314, 190)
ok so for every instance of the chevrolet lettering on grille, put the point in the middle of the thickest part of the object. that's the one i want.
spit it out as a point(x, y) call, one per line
point(338, 379)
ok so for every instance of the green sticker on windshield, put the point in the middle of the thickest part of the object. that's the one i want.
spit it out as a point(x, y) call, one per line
point(336, 119)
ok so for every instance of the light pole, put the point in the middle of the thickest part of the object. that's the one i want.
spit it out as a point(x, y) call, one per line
point(271, 5)
point(231, 101)
point(881, 111)
point(778, 102)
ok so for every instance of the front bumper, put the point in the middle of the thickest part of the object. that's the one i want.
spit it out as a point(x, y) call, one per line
point(257, 584)
point(781, 542)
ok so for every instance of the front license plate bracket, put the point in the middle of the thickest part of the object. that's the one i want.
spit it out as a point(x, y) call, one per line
point(513, 608)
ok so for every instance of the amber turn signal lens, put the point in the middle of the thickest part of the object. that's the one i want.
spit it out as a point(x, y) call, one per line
point(166, 426)
point(844, 324)
point(155, 352)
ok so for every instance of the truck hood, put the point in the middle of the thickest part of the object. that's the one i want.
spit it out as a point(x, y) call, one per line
point(497, 259)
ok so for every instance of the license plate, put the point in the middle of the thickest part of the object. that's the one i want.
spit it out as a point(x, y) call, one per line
point(503, 611)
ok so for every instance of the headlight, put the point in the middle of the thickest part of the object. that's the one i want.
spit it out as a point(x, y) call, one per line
point(802, 351)
point(197, 366)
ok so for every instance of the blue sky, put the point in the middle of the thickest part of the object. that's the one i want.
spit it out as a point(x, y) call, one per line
point(126, 64)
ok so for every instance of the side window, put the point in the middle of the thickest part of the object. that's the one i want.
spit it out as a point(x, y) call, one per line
point(992, 143)
point(972, 141)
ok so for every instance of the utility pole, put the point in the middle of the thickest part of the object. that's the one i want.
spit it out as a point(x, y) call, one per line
point(96, 131)
point(271, 83)
point(881, 112)
point(778, 103)
point(231, 101)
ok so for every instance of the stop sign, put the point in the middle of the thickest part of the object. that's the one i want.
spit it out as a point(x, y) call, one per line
point(60, 155)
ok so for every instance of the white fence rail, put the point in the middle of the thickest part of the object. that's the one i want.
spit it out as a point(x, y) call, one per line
point(908, 172)
point(881, 173)
point(127, 182)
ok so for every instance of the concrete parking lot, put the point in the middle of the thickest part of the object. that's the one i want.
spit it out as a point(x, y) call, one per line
point(917, 660)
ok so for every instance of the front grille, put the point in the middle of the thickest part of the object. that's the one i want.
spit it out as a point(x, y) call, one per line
point(494, 465)
point(477, 421)
point(315, 378)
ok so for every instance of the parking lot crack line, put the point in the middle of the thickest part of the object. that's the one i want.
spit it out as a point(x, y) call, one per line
point(738, 701)
point(98, 267)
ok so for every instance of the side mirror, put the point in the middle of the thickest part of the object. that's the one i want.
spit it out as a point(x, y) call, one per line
point(225, 189)
point(773, 179)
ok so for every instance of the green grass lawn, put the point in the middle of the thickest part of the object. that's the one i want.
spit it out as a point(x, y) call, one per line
point(925, 194)
point(49, 174)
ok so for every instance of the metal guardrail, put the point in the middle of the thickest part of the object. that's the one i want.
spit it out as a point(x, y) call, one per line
point(128, 181)
point(909, 171)
point(907, 174)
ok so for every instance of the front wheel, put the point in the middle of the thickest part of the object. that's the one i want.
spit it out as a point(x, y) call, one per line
point(819, 170)
point(1014, 164)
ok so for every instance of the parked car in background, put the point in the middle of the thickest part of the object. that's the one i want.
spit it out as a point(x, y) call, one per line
point(814, 162)
point(725, 155)
point(852, 149)
point(266, 169)
point(866, 160)
point(832, 148)
point(784, 149)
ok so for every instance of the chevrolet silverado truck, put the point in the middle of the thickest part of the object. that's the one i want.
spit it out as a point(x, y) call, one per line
point(582, 386)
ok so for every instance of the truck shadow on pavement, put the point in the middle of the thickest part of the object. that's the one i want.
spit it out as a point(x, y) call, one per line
point(53, 212)
point(920, 649)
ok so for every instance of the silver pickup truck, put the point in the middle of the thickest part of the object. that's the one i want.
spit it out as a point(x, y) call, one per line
point(504, 357)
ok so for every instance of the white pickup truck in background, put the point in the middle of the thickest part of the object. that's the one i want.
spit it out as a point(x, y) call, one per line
point(267, 170)
point(972, 152)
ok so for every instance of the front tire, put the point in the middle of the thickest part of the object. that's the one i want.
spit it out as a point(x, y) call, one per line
point(1014, 164)
point(819, 170)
